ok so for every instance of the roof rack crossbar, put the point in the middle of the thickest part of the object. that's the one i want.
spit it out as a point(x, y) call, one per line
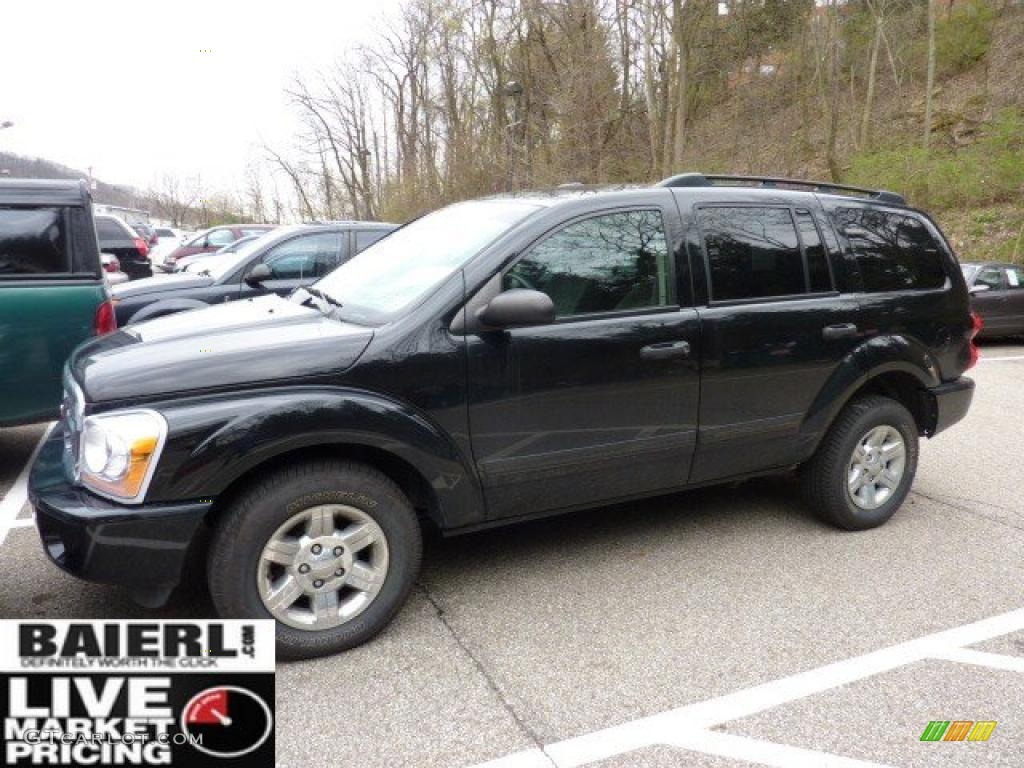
point(708, 180)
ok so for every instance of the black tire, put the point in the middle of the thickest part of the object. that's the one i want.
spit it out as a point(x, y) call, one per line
point(824, 477)
point(245, 528)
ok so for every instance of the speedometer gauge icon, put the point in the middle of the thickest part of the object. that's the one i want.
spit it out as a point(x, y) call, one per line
point(227, 721)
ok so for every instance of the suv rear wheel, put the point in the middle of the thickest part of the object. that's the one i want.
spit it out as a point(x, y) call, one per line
point(330, 550)
point(865, 465)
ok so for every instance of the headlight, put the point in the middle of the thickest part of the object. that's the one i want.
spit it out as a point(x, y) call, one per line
point(119, 452)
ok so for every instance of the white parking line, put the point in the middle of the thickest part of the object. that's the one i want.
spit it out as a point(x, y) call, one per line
point(690, 726)
point(985, 359)
point(17, 496)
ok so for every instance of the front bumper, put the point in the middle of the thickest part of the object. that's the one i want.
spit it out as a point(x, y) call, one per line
point(949, 403)
point(141, 547)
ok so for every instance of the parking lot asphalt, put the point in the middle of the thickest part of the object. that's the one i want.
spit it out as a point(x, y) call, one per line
point(722, 627)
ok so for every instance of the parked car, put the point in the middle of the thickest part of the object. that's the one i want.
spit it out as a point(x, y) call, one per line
point(168, 239)
point(214, 238)
point(197, 259)
point(503, 359)
point(277, 263)
point(997, 294)
point(118, 239)
point(52, 292)
point(112, 269)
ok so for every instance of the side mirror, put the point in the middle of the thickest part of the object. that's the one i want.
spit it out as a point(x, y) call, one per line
point(256, 276)
point(517, 307)
point(980, 288)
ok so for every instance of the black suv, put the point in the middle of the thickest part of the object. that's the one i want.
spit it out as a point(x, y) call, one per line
point(278, 262)
point(118, 239)
point(504, 359)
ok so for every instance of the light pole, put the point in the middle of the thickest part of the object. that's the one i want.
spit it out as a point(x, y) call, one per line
point(5, 124)
point(514, 90)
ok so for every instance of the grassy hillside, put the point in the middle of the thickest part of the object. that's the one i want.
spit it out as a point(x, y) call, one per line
point(972, 176)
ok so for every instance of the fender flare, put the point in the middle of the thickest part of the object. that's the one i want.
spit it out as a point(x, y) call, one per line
point(166, 307)
point(873, 358)
point(213, 442)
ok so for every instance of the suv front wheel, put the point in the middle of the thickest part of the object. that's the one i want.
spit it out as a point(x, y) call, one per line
point(865, 465)
point(330, 550)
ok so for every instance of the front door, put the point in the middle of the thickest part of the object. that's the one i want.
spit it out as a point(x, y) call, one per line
point(992, 303)
point(602, 403)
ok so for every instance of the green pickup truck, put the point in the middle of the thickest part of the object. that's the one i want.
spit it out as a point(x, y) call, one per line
point(52, 292)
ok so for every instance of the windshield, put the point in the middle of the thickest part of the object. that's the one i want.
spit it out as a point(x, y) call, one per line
point(407, 264)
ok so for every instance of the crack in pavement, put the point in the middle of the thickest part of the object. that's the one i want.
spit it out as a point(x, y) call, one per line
point(492, 684)
point(969, 510)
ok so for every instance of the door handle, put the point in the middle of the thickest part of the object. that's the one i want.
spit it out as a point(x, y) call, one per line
point(839, 331)
point(665, 350)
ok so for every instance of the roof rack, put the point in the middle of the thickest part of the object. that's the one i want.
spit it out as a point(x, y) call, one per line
point(769, 182)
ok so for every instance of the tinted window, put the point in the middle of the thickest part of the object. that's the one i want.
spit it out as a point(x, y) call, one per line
point(221, 237)
point(753, 252)
point(110, 229)
point(1015, 278)
point(818, 275)
point(991, 277)
point(161, 232)
point(613, 262)
point(304, 257)
point(32, 242)
point(894, 252)
point(368, 237)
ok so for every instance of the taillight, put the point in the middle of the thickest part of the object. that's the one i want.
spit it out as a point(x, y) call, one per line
point(112, 266)
point(105, 321)
point(976, 325)
point(143, 249)
point(154, 240)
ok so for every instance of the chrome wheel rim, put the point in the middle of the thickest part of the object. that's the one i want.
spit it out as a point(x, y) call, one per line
point(323, 567)
point(876, 467)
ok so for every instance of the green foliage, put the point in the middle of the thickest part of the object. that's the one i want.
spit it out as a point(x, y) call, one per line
point(964, 37)
point(989, 171)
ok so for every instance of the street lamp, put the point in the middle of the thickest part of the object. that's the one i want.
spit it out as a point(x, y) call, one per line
point(6, 124)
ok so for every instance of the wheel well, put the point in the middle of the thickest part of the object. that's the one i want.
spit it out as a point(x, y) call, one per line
point(419, 492)
point(904, 388)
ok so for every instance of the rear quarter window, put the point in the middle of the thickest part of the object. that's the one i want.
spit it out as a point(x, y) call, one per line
point(893, 251)
point(33, 242)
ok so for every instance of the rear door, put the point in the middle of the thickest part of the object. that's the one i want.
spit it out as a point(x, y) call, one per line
point(49, 294)
point(601, 403)
point(773, 331)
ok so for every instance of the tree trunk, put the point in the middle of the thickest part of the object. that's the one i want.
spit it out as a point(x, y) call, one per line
point(930, 84)
point(833, 108)
point(869, 99)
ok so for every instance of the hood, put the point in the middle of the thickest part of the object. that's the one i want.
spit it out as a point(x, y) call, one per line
point(237, 344)
point(148, 285)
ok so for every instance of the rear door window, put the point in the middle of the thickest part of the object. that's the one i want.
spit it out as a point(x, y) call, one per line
point(894, 251)
point(753, 252)
point(1015, 278)
point(367, 237)
point(33, 242)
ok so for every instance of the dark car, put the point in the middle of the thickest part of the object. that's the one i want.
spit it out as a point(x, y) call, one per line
point(276, 263)
point(997, 294)
point(120, 240)
point(53, 294)
point(504, 359)
point(213, 239)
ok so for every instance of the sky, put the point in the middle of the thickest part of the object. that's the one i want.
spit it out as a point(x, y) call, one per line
point(138, 88)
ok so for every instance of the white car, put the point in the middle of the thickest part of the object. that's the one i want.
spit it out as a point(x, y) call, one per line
point(167, 240)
